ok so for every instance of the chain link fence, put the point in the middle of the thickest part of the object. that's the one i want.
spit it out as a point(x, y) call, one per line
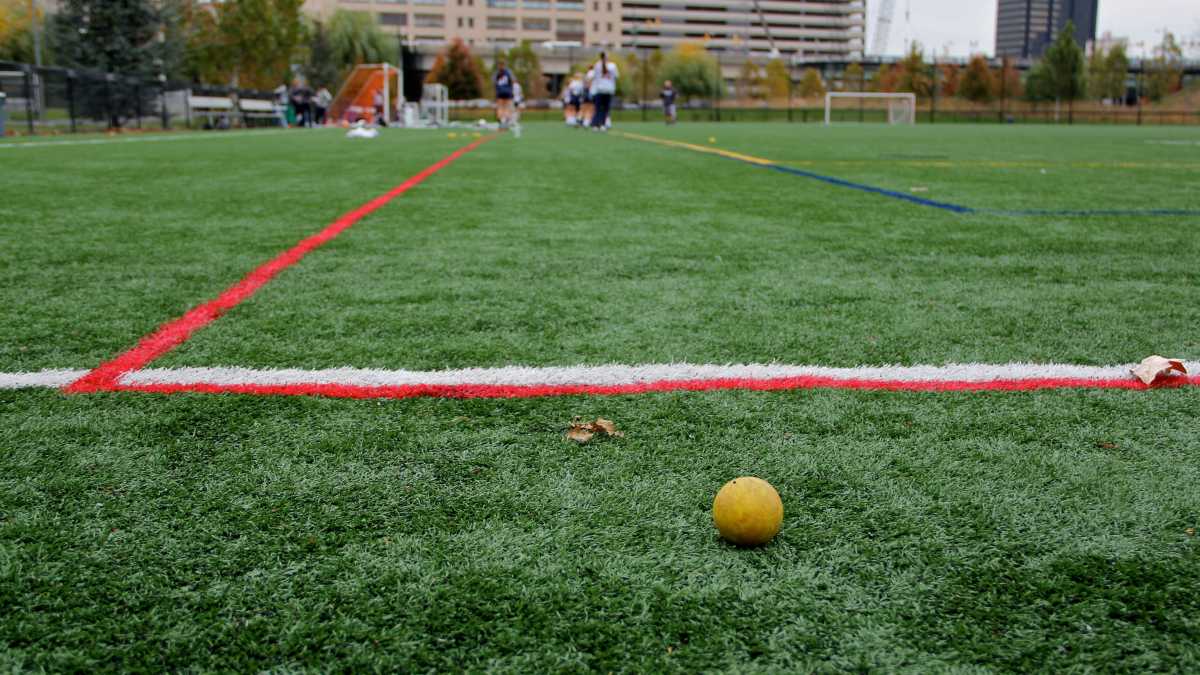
point(57, 100)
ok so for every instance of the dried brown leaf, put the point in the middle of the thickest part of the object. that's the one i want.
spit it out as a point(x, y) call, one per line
point(608, 427)
point(1154, 367)
point(1191, 532)
point(580, 433)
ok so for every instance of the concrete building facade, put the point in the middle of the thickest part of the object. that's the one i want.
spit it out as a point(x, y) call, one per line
point(1024, 28)
point(820, 29)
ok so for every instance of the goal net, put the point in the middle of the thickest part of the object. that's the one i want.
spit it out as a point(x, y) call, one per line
point(357, 99)
point(899, 108)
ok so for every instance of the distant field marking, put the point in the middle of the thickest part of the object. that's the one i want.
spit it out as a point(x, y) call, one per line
point(174, 333)
point(1174, 142)
point(769, 164)
point(987, 164)
point(164, 136)
point(904, 196)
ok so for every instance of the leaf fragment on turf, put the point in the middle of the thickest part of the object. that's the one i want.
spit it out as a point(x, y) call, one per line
point(1155, 367)
point(582, 432)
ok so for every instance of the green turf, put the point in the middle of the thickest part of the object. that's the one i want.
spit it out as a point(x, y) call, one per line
point(1049, 531)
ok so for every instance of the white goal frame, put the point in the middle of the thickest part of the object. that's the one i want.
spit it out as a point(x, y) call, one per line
point(894, 116)
point(435, 105)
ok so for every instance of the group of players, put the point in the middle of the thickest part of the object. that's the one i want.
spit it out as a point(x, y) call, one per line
point(587, 98)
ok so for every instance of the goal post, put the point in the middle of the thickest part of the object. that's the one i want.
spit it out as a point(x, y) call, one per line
point(901, 107)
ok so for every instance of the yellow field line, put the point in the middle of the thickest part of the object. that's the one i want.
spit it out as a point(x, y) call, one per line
point(698, 148)
point(935, 164)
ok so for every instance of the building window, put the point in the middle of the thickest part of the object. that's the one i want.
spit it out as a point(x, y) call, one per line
point(535, 4)
point(569, 5)
point(429, 20)
point(393, 19)
point(460, 22)
point(501, 23)
point(595, 26)
point(502, 4)
point(470, 22)
point(429, 2)
point(610, 9)
point(536, 24)
point(610, 27)
point(596, 6)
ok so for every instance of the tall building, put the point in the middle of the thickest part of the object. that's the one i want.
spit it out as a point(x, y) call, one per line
point(1024, 28)
point(489, 22)
point(821, 28)
point(826, 29)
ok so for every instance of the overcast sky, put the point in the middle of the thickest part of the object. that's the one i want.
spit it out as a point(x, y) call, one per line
point(967, 26)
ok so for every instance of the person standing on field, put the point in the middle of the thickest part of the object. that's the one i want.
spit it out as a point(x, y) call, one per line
point(668, 100)
point(321, 105)
point(504, 81)
point(604, 86)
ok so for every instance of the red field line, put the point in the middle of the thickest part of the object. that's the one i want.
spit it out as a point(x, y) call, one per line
point(532, 391)
point(174, 333)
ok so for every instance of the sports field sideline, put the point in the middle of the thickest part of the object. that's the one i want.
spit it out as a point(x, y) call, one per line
point(921, 336)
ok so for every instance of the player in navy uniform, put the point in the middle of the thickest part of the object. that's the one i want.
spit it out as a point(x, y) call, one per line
point(668, 99)
point(504, 93)
point(604, 86)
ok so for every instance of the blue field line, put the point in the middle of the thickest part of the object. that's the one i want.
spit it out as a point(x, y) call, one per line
point(1089, 212)
point(946, 206)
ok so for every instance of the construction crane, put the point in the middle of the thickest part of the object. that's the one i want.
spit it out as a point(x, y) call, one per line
point(766, 29)
point(883, 26)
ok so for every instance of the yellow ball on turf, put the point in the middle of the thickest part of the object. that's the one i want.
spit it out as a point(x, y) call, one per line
point(712, 139)
point(748, 511)
point(451, 135)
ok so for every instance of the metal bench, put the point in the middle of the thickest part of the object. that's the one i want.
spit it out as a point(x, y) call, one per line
point(216, 109)
point(257, 108)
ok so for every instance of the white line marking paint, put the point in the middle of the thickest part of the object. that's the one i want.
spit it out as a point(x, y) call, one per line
point(44, 378)
point(147, 139)
point(616, 374)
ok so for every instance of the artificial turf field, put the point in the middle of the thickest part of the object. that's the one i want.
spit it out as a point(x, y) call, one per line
point(926, 531)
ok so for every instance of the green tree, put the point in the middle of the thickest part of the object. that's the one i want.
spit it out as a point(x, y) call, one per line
point(458, 69)
point(1106, 73)
point(1116, 72)
point(115, 36)
point(246, 43)
point(1060, 75)
point(16, 32)
point(526, 66)
point(914, 73)
point(852, 78)
point(321, 68)
point(977, 83)
point(778, 80)
point(355, 38)
point(1164, 74)
point(811, 85)
point(750, 83)
point(643, 73)
point(694, 72)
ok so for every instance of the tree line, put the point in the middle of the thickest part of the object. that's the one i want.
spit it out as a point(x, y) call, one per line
point(252, 44)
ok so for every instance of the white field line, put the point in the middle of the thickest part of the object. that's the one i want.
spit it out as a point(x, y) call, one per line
point(44, 378)
point(616, 374)
point(1173, 142)
point(167, 136)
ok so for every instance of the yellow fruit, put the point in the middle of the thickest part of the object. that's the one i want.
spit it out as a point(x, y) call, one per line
point(748, 511)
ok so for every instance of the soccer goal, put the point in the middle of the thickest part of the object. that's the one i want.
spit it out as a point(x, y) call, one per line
point(901, 108)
